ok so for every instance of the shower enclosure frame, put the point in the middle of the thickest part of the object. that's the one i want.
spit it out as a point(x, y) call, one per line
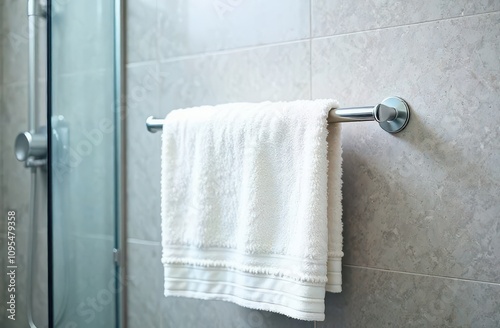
point(120, 157)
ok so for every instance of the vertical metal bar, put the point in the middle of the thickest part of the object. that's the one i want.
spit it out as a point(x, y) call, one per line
point(50, 175)
point(120, 160)
point(35, 11)
point(32, 71)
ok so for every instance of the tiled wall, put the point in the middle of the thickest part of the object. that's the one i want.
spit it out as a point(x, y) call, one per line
point(421, 208)
point(14, 177)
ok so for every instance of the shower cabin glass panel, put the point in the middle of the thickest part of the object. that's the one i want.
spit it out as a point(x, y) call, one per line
point(83, 164)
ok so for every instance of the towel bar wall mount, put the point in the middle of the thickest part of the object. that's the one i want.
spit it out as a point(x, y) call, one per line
point(392, 114)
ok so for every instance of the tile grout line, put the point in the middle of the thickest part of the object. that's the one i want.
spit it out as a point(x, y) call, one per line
point(404, 25)
point(141, 63)
point(159, 85)
point(230, 51)
point(310, 60)
point(15, 84)
point(310, 70)
point(157, 36)
point(283, 43)
point(422, 274)
point(143, 242)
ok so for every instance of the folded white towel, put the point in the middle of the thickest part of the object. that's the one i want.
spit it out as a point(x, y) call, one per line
point(251, 205)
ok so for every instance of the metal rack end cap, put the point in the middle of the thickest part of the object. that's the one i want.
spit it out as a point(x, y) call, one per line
point(150, 124)
point(402, 115)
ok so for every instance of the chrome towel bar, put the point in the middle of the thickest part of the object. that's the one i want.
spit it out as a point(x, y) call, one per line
point(392, 114)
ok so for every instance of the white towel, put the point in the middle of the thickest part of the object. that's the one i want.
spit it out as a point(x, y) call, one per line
point(251, 205)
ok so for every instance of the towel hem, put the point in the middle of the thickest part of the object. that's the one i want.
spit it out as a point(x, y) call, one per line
point(291, 298)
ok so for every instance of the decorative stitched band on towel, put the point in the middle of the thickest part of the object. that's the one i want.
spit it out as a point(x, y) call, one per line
point(334, 274)
point(272, 265)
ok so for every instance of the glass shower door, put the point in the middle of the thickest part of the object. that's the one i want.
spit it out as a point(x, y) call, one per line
point(84, 166)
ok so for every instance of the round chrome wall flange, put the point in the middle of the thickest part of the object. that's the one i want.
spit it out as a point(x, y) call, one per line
point(402, 115)
point(28, 144)
point(31, 148)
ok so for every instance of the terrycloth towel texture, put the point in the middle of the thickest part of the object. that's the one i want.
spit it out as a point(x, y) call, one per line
point(251, 205)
